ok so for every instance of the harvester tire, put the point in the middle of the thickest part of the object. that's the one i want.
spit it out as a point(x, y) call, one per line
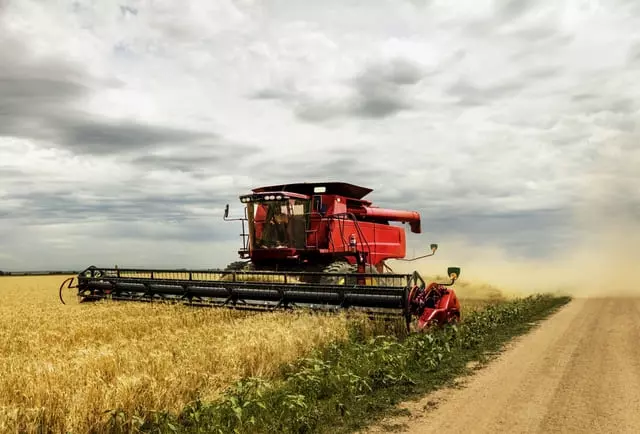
point(239, 266)
point(346, 268)
point(337, 267)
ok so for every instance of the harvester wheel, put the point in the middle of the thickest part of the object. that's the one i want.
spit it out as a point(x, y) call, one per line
point(346, 268)
point(239, 266)
point(338, 267)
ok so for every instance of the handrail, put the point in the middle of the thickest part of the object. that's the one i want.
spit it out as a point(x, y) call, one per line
point(363, 239)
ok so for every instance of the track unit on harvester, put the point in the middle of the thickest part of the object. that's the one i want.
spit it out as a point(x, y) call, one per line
point(304, 245)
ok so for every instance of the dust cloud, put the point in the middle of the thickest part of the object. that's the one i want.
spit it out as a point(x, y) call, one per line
point(599, 262)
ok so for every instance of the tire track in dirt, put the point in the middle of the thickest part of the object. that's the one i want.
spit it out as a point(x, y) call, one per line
point(578, 371)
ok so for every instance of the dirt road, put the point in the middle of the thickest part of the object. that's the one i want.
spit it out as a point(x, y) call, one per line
point(578, 372)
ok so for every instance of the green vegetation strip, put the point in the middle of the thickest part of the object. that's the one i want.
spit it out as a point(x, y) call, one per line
point(348, 385)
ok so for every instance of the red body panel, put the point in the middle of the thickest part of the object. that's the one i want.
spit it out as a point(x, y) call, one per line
point(379, 241)
point(326, 227)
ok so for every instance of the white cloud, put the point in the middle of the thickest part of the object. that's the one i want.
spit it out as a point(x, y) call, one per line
point(131, 117)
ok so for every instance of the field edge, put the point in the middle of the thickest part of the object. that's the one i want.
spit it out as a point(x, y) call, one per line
point(347, 386)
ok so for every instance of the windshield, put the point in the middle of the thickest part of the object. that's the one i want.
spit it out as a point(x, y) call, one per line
point(277, 224)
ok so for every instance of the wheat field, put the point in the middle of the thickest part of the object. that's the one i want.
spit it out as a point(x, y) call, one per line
point(63, 366)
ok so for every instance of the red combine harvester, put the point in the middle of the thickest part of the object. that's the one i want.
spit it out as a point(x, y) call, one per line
point(308, 245)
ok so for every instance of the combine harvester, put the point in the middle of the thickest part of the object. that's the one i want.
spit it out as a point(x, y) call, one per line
point(306, 245)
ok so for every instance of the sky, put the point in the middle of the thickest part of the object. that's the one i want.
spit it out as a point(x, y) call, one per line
point(125, 127)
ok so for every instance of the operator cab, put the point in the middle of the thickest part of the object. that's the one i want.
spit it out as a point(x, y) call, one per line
point(279, 216)
point(277, 220)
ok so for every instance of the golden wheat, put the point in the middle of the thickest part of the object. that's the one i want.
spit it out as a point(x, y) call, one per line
point(62, 366)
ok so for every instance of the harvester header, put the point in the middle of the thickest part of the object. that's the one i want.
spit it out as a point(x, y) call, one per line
point(311, 245)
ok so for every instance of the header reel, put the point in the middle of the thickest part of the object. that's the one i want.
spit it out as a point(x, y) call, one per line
point(401, 295)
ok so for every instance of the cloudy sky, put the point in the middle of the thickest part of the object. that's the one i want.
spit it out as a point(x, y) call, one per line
point(126, 126)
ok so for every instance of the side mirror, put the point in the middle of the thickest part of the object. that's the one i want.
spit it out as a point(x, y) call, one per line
point(454, 273)
point(226, 211)
point(433, 247)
